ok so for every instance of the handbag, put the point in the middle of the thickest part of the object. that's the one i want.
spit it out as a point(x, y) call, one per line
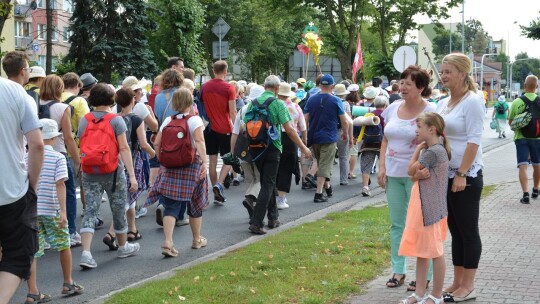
point(493, 124)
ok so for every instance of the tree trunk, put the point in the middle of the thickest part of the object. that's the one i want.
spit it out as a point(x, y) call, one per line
point(48, 60)
point(344, 58)
point(107, 62)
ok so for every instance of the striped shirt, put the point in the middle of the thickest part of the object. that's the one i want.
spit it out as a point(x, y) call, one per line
point(54, 169)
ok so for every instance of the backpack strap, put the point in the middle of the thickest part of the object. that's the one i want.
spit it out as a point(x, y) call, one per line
point(32, 89)
point(69, 99)
point(168, 98)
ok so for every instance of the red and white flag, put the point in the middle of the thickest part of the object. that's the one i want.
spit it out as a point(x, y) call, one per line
point(358, 61)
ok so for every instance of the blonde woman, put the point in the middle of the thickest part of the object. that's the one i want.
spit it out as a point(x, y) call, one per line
point(463, 114)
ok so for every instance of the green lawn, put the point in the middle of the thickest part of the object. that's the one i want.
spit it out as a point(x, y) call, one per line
point(486, 191)
point(318, 262)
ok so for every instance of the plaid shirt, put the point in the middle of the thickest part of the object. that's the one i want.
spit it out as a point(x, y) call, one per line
point(181, 184)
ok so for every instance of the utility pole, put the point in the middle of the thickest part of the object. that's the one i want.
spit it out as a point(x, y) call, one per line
point(463, 28)
point(48, 60)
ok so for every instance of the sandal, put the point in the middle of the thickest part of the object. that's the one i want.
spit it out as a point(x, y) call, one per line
point(412, 285)
point(393, 282)
point(200, 243)
point(433, 299)
point(134, 236)
point(109, 240)
point(38, 298)
point(169, 252)
point(414, 297)
point(72, 289)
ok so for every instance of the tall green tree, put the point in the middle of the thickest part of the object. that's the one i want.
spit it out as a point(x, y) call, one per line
point(5, 11)
point(108, 36)
point(441, 43)
point(476, 38)
point(180, 25)
point(533, 30)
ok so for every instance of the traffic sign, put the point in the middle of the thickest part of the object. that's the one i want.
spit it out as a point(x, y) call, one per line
point(404, 57)
point(220, 28)
point(35, 47)
point(220, 53)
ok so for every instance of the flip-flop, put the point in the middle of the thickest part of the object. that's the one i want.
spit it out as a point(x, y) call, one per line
point(169, 252)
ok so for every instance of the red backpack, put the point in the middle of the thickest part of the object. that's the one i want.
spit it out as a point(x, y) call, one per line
point(99, 147)
point(176, 148)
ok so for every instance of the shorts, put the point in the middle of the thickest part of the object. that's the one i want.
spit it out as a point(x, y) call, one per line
point(353, 151)
point(528, 148)
point(19, 235)
point(217, 143)
point(172, 208)
point(325, 153)
point(49, 231)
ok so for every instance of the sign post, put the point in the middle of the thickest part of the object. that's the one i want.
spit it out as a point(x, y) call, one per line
point(220, 29)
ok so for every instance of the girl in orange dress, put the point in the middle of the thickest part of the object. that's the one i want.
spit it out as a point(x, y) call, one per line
point(426, 226)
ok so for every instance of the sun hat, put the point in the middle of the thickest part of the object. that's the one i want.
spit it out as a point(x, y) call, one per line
point(293, 85)
point(49, 128)
point(371, 92)
point(353, 88)
point(88, 80)
point(502, 98)
point(133, 83)
point(301, 80)
point(242, 83)
point(285, 90)
point(37, 71)
point(339, 90)
point(255, 91)
point(327, 79)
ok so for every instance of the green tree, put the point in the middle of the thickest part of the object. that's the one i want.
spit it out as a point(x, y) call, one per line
point(441, 43)
point(532, 31)
point(5, 11)
point(108, 36)
point(521, 69)
point(180, 25)
point(476, 39)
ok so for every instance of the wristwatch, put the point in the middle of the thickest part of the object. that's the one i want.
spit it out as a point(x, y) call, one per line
point(460, 174)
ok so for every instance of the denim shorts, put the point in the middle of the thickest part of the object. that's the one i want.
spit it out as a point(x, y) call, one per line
point(172, 207)
point(526, 148)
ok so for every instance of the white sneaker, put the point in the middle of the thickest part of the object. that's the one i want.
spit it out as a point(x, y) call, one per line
point(74, 239)
point(141, 212)
point(281, 203)
point(365, 191)
point(129, 249)
point(87, 262)
point(182, 222)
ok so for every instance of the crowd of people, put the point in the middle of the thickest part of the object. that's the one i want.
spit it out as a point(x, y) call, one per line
point(60, 133)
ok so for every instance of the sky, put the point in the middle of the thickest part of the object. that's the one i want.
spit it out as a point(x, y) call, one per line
point(497, 18)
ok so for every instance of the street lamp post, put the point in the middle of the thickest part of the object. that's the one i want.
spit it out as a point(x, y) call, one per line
point(463, 27)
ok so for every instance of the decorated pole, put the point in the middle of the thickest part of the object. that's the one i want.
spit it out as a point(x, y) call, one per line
point(311, 44)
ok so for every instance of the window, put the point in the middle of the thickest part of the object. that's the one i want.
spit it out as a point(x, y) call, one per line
point(22, 29)
point(66, 34)
point(42, 61)
point(67, 6)
point(41, 4)
point(54, 34)
point(42, 32)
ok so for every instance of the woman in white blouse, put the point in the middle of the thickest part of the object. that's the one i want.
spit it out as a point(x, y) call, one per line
point(463, 113)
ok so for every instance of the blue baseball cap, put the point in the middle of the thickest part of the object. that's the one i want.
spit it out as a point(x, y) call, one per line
point(327, 79)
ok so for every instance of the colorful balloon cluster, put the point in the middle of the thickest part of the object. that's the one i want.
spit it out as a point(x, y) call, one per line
point(311, 42)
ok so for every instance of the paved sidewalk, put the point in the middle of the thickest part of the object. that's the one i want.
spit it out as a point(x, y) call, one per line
point(509, 270)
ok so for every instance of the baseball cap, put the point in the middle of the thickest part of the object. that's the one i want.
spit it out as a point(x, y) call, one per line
point(301, 80)
point(327, 79)
point(37, 71)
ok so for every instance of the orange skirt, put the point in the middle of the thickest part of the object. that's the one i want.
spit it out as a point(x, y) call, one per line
point(419, 240)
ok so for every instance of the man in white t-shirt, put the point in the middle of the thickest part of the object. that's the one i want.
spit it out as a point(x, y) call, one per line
point(18, 200)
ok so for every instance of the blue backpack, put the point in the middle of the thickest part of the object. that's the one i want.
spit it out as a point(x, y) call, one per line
point(373, 134)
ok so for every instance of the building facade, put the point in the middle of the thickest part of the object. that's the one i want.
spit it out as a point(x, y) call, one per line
point(30, 23)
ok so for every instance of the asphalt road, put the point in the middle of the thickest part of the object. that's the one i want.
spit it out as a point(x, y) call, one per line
point(223, 226)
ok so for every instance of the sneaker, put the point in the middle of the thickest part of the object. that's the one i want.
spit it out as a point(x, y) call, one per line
point(282, 203)
point(46, 245)
point(74, 239)
point(273, 224)
point(524, 200)
point(311, 180)
point(329, 191)
point(227, 181)
point(504, 135)
point(248, 204)
point(87, 262)
point(219, 194)
point(500, 136)
point(182, 222)
point(257, 230)
point(129, 249)
point(343, 183)
point(365, 191)
point(306, 186)
point(141, 212)
point(202, 242)
point(320, 198)
point(159, 216)
point(534, 193)
point(236, 182)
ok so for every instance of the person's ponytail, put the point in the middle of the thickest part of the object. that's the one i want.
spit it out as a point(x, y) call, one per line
point(446, 145)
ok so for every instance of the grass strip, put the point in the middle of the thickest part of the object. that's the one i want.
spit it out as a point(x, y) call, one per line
point(318, 262)
point(486, 191)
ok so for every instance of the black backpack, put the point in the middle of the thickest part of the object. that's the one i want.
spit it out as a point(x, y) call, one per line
point(532, 129)
point(373, 134)
point(500, 108)
point(44, 111)
point(132, 123)
point(32, 92)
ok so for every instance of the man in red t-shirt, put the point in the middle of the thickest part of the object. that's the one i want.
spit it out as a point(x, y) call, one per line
point(219, 99)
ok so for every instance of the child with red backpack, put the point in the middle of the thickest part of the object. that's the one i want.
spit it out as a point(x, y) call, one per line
point(103, 140)
point(182, 179)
